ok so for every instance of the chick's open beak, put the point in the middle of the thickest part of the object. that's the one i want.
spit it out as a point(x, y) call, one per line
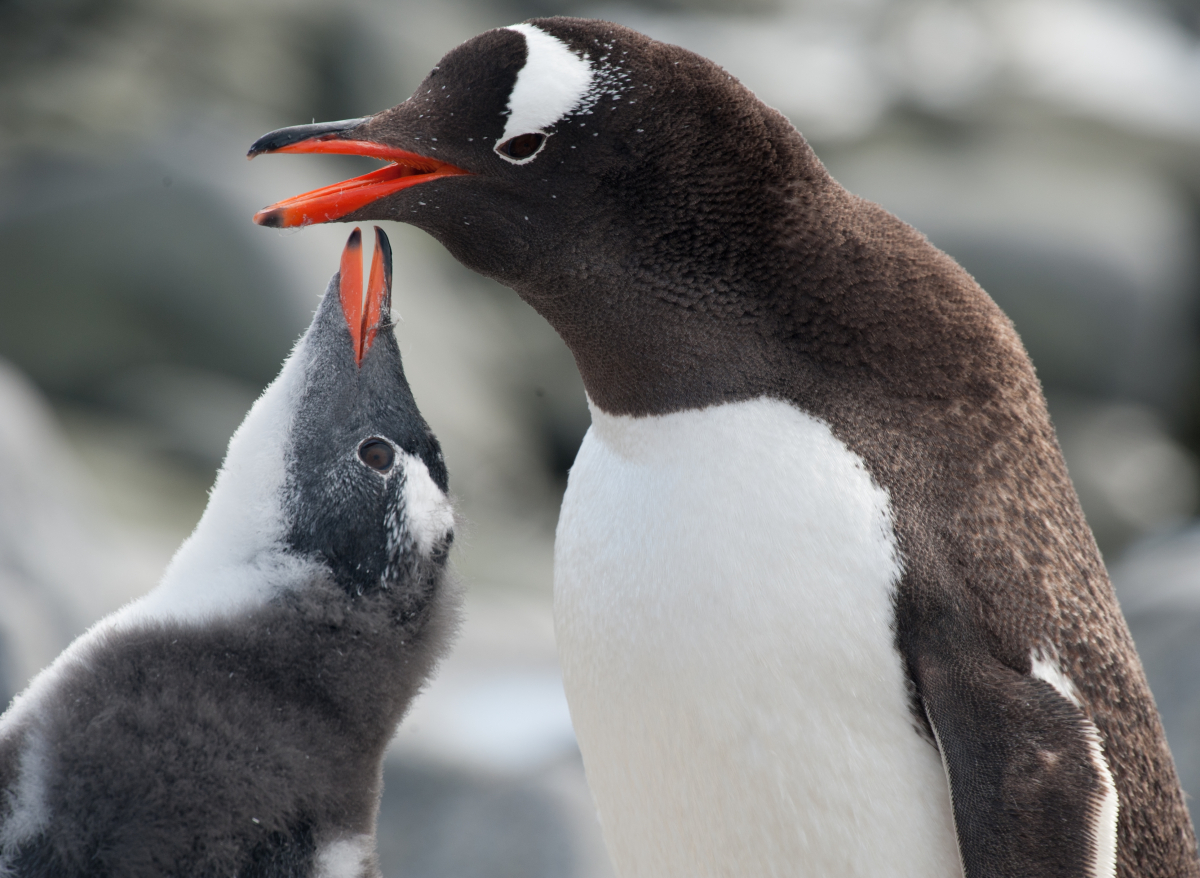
point(364, 317)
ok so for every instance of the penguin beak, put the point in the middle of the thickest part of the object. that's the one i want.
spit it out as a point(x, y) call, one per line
point(334, 202)
point(363, 318)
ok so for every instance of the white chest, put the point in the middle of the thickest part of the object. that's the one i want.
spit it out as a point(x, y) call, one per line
point(723, 607)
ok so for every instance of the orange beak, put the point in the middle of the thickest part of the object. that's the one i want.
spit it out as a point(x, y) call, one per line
point(334, 202)
point(364, 317)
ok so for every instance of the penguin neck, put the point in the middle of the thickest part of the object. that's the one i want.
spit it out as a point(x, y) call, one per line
point(830, 291)
point(236, 558)
point(640, 373)
point(663, 332)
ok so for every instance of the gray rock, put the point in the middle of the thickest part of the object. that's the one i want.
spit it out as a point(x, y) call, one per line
point(55, 570)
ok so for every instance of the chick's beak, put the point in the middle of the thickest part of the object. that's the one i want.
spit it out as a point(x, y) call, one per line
point(363, 318)
point(331, 203)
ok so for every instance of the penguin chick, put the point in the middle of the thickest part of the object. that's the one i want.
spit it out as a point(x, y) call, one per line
point(233, 721)
point(825, 599)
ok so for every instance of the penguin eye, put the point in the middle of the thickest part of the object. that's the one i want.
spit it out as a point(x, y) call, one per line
point(522, 146)
point(377, 454)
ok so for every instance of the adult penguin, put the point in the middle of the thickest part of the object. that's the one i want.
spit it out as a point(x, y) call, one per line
point(233, 721)
point(825, 599)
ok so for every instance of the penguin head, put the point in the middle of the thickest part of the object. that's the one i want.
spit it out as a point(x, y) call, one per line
point(553, 151)
point(333, 474)
point(365, 491)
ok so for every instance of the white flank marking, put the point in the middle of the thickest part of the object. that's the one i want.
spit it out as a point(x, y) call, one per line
point(723, 608)
point(1104, 834)
point(553, 82)
point(1045, 667)
point(427, 510)
point(345, 858)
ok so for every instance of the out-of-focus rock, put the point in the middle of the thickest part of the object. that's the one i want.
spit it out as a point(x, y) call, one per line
point(839, 69)
point(440, 822)
point(112, 270)
point(1132, 477)
point(1097, 278)
point(76, 75)
point(194, 411)
point(497, 703)
point(484, 777)
point(1128, 64)
point(57, 572)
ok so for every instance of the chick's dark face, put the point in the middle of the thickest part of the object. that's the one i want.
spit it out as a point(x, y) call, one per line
point(367, 483)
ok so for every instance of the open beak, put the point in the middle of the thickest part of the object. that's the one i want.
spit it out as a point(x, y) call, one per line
point(334, 202)
point(363, 317)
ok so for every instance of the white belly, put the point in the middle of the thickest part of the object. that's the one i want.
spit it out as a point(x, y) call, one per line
point(723, 606)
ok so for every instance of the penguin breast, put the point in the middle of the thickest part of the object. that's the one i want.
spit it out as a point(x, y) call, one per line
point(723, 605)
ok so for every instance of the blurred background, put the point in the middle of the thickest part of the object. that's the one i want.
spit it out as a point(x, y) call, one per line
point(1052, 146)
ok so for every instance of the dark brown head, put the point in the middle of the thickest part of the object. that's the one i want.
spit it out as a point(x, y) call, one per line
point(631, 191)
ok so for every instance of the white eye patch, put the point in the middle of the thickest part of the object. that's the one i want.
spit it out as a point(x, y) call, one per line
point(429, 514)
point(553, 83)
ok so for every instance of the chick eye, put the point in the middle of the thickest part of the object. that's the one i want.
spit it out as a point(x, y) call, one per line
point(377, 454)
point(522, 146)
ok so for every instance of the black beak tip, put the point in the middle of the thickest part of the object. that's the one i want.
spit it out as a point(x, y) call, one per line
point(385, 246)
point(272, 219)
point(281, 137)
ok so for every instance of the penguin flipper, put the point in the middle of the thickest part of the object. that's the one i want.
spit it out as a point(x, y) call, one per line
point(1030, 788)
